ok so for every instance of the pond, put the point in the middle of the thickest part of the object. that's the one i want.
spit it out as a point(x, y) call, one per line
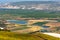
point(18, 21)
point(45, 26)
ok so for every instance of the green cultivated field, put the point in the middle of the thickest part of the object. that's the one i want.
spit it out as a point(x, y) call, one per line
point(15, 36)
point(27, 14)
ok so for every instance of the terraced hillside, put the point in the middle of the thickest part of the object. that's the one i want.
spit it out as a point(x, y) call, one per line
point(32, 36)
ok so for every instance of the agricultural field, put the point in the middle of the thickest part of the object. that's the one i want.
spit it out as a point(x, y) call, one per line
point(19, 13)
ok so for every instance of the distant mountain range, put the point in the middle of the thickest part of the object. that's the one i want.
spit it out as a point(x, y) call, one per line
point(36, 5)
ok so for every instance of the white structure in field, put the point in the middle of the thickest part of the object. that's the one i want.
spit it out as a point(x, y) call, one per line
point(53, 34)
point(1, 28)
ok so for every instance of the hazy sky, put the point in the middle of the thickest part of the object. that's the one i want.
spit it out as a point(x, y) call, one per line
point(4, 1)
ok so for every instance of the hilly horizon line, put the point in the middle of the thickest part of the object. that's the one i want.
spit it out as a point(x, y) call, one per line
point(31, 1)
point(35, 2)
point(38, 1)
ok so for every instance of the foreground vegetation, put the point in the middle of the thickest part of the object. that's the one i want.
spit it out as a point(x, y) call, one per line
point(15, 36)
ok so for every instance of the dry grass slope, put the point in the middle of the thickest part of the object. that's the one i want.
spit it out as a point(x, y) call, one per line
point(15, 36)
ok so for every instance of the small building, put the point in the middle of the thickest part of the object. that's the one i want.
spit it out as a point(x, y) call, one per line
point(1, 28)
